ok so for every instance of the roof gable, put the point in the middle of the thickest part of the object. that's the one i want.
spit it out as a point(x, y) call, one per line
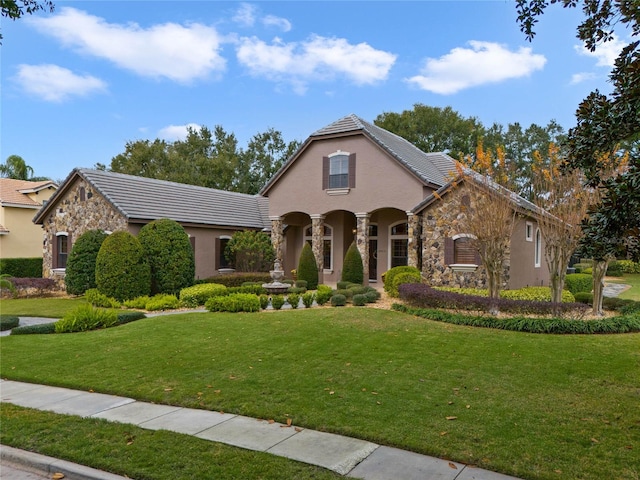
point(433, 169)
point(146, 199)
point(16, 192)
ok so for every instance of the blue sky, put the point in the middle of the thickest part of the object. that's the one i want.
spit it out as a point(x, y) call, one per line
point(80, 83)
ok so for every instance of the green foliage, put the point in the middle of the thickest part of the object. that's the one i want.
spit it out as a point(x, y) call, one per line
point(7, 322)
point(237, 302)
point(250, 251)
point(7, 284)
point(614, 270)
point(535, 294)
point(372, 296)
point(629, 266)
point(293, 299)
point(390, 275)
point(80, 274)
point(578, 282)
point(38, 329)
point(277, 301)
point(352, 269)
point(138, 302)
point(584, 297)
point(323, 294)
point(264, 301)
point(254, 288)
point(308, 298)
point(21, 267)
point(237, 279)
point(348, 294)
point(162, 301)
point(304, 284)
point(97, 299)
point(588, 271)
point(338, 300)
point(296, 290)
point(404, 277)
point(307, 267)
point(122, 271)
point(359, 299)
point(620, 324)
point(169, 255)
point(126, 317)
point(198, 295)
point(343, 285)
point(86, 317)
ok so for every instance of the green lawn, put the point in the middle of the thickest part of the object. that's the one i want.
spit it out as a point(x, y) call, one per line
point(632, 279)
point(49, 307)
point(527, 405)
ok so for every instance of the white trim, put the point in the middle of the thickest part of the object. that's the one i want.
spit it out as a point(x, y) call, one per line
point(537, 256)
point(62, 234)
point(338, 152)
point(337, 191)
point(21, 205)
point(463, 267)
point(528, 231)
point(463, 235)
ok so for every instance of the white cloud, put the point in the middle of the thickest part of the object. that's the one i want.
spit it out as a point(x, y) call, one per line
point(245, 15)
point(482, 63)
point(318, 58)
point(57, 84)
point(177, 132)
point(278, 22)
point(581, 77)
point(605, 53)
point(179, 53)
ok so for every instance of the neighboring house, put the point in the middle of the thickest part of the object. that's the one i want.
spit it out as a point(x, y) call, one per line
point(19, 202)
point(349, 181)
point(93, 199)
point(353, 181)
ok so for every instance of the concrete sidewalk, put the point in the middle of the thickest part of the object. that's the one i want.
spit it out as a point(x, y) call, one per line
point(347, 456)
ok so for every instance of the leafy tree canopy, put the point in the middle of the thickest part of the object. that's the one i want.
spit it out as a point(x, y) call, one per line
point(15, 9)
point(209, 158)
point(15, 167)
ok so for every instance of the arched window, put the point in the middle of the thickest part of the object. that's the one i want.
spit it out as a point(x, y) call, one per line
point(327, 244)
point(399, 244)
point(61, 247)
point(538, 253)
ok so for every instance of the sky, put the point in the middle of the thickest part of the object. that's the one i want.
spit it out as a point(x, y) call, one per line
point(79, 83)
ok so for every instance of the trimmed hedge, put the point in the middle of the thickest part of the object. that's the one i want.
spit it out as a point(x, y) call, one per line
point(338, 300)
point(122, 271)
point(308, 267)
point(389, 277)
point(7, 322)
point(277, 301)
point(352, 268)
point(620, 324)
point(80, 274)
point(359, 300)
point(162, 301)
point(21, 267)
point(238, 278)
point(198, 295)
point(423, 296)
point(169, 255)
point(237, 302)
point(294, 300)
point(578, 282)
point(39, 329)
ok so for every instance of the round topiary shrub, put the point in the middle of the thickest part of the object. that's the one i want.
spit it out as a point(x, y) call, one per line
point(404, 277)
point(352, 269)
point(359, 299)
point(277, 301)
point(584, 297)
point(122, 271)
point(80, 273)
point(390, 274)
point(338, 300)
point(308, 268)
point(169, 255)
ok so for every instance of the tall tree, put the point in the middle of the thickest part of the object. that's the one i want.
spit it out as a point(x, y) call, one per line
point(15, 167)
point(604, 122)
point(434, 129)
point(14, 9)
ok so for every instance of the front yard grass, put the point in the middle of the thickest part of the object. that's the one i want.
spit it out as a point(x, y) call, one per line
point(48, 307)
point(533, 406)
point(632, 279)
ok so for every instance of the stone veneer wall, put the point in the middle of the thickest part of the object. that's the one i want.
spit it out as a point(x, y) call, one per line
point(440, 220)
point(75, 217)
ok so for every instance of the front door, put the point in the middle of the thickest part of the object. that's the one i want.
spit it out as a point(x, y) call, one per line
point(373, 260)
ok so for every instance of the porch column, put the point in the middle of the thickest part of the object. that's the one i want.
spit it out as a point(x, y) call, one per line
point(317, 243)
point(277, 237)
point(362, 242)
point(413, 239)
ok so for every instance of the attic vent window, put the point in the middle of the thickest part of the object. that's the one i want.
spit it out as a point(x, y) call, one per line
point(83, 194)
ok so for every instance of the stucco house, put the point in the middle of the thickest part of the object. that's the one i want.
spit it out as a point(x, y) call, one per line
point(19, 201)
point(94, 199)
point(349, 181)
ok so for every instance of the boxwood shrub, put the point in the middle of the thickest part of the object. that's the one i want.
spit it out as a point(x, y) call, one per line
point(352, 268)
point(308, 298)
point(39, 329)
point(7, 322)
point(264, 301)
point(238, 278)
point(323, 294)
point(237, 302)
point(80, 274)
point(307, 268)
point(293, 299)
point(578, 282)
point(390, 274)
point(277, 301)
point(359, 299)
point(162, 301)
point(197, 295)
point(338, 300)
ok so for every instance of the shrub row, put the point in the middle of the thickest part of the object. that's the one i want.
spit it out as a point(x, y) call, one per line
point(21, 267)
point(538, 294)
point(629, 266)
point(236, 302)
point(237, 279)
point(620, 324)
point(578, 282)
point(423, 296)
point(47, 328)
point(7, 322)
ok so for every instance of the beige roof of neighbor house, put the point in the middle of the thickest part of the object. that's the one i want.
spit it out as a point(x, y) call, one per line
point(146, 199)
point(434, 169)
point(15, 192)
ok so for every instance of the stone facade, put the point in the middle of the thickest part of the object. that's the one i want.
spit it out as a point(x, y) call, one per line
point(75, 213)
point(440, 220)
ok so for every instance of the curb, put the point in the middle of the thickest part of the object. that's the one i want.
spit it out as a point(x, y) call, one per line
point(38, 463)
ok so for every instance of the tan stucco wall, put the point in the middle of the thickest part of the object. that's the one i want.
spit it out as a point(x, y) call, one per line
point(523, 270)
point(24, 239)
point(380, 181)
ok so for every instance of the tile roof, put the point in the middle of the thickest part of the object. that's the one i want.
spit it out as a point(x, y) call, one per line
point(141, 198)
point(14, 192)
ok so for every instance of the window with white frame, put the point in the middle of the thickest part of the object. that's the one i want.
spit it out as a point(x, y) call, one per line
point(399, 244)
point(60, 250)
point(327, 244)
point(528, 229)
point(538, 252)
point(339, 171)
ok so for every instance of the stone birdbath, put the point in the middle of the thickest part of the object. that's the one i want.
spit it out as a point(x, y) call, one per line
point(276, 286)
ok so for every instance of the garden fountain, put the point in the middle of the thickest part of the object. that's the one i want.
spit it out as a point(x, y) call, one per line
point(276, 286)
